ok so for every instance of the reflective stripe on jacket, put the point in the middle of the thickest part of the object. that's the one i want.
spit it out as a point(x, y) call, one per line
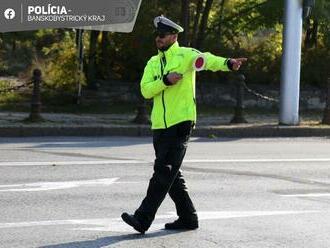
point(175, 103)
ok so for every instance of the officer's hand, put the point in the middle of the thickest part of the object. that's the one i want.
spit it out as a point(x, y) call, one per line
point(174, 77)
point(237, 63)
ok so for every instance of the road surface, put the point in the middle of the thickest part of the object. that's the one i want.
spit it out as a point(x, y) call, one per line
point(70, 192)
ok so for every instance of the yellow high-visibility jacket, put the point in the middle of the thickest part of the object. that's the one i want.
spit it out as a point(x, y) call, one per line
point(175, 103)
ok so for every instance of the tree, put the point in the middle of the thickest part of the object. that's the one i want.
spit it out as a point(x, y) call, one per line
point(91, 68)
point(185, 16)
point(197, 14)
point(104, 64)
point(203, 24)
point(221, 15)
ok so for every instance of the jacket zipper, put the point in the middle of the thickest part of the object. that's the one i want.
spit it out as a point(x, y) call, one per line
point(163, 64)
point(164, 109)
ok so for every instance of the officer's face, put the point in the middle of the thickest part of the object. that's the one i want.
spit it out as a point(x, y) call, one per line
point(164, 41)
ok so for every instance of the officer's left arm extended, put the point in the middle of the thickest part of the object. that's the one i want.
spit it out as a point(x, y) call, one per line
point(211, 62)
point(216, 63)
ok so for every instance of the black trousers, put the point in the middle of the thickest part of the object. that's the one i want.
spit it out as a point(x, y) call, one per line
point(170, 147)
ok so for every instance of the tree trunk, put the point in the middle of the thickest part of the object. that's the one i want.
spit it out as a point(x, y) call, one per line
point(105, 59)
point(314, 33)
point(203, 24)
point(222, 8)
point(13, 47)
point(185, 21)
point(91, 73)
point(311, 34)
point(308, 34)
point(198, 12)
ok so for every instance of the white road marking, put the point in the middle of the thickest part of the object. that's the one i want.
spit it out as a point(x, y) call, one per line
point(261, 160)
point(81, 162)
point(308, 195)
point(102, 162)
point(43, 186)
point(117, 225)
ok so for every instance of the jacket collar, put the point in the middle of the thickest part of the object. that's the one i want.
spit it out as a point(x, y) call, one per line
point(170, 51)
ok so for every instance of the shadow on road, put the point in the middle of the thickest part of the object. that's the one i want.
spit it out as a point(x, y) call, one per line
point(112, 240)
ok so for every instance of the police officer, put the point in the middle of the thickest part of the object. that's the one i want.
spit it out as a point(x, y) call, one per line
point(169, 79)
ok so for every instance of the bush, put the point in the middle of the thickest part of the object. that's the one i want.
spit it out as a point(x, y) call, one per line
point(315, 67)
point(61, 66)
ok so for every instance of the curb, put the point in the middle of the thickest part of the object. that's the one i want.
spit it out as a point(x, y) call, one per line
point(237, 131)
point(266, 131)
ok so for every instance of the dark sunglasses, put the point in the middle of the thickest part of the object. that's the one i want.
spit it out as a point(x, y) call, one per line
point(161, 34)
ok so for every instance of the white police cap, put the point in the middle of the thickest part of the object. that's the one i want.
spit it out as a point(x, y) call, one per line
point(164, 24)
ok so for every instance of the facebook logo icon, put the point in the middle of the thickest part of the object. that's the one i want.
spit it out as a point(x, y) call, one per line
point(9, 14)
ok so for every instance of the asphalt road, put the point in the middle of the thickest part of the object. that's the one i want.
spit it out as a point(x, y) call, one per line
point(70, 192)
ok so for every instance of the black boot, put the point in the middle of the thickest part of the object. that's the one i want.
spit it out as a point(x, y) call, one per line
point(181, 224)
point(133, 222)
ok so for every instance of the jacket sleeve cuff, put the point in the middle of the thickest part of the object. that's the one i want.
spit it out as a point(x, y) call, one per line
point(165, 80)
point(229, 64)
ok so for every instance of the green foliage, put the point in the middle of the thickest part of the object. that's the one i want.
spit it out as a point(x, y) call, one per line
point(130, 52)
point(4, 84)
point(251, 28)
point(47, 37)
point(315, 67)
point(61, 67)
point(264, 52)
point(322, 13)
point(315, 60)
point(8, 97)
point(16, 52)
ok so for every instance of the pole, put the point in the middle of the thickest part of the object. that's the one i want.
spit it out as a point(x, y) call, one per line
point(290, 79)
point(35, 115)
point(326, 113)
point(239, 108)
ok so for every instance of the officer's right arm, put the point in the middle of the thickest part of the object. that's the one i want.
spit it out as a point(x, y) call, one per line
point(151, 84)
